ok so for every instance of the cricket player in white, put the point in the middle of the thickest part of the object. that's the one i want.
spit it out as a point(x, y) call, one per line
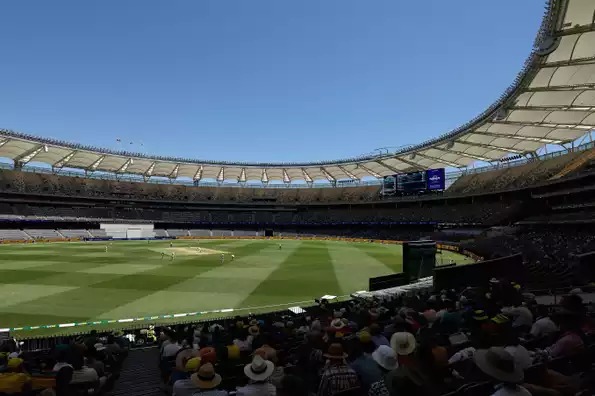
point(222, 258)
point(173, 256)
point(233, 257)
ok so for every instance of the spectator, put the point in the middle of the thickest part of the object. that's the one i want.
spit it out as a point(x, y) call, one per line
point(337, 375)
point(544, 325)
point(258, 373)
point(187, 386)
point(377, 337)
point(404, 344)
point(367, 369)
point(15, 379)
point(571, 338)
point(500, 365)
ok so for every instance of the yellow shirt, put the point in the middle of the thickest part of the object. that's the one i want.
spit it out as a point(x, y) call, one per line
point(13, 382)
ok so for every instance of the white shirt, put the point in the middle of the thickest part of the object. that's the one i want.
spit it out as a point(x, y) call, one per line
point(521, 315)
point(244, 346)
point(543, 327)
point(84, 375)
point(259, 389)
point(516, 391)
point(170, 350)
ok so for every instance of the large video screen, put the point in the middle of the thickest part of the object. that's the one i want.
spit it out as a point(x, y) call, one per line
point(414, 182)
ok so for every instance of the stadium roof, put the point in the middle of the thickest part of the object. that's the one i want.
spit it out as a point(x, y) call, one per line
point(552, 101)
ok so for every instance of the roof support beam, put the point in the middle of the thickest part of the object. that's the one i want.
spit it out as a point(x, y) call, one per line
point(286, 178)
point(307, 176)
point(3, 141)
point(149, 171)
point(349, 174)
point(28, 155)
point(552, 108)
point(264, 177)
point(198, 175)
point(221, 175)
point(575, 87)
point(174, 173)
point(411, 164)
point(472, 156)
point(491, 147)
point(453, 164)
point(96, 164)
point(387, 166)
point(328, 176)
point(529, 138)
point(123, 168)
point(546, 125)
point(64, 160)
point(242, 177)
point(370, 171)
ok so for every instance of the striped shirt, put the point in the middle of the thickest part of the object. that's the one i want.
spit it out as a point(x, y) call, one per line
point(337, 379)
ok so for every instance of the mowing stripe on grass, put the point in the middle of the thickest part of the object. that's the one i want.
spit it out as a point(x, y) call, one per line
point(224, 286)
point(304, 275)
point(389, 255)
point(353, 267)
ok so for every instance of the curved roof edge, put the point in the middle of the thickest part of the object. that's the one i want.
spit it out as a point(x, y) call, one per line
point(555, 79)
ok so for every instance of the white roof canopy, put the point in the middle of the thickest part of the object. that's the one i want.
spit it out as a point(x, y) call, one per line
point(552, 101)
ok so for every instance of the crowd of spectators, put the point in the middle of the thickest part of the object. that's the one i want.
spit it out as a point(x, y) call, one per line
point(484, 213)
point(548, 252)
point(495, 340)
point(85, 366)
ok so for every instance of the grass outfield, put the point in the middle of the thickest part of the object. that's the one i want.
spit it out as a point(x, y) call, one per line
point(74, 282)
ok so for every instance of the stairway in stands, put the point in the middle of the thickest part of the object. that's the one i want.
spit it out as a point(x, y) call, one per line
point(139, 375)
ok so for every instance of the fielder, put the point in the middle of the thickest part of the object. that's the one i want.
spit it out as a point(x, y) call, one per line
point(162, 255)
point(106, 248)
point(171, 244)
point(222, 258)
point(173, 256)
point(233, 257)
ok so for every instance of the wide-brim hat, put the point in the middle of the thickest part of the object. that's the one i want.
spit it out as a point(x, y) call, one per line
point(499, 364)
point(206, 377)
point(385, 357)
point(337, 324)
point(403, 343)
point(335, 351)
point(253, 330)
point(99, 347)
point(259, 369)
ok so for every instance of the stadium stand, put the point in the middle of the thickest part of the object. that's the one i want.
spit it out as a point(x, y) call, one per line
point(495, 338)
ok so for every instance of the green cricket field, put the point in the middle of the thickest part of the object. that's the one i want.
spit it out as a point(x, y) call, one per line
point(52, 283)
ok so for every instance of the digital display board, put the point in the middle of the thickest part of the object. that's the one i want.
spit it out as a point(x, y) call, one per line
point(414, 182)
point(436, 179)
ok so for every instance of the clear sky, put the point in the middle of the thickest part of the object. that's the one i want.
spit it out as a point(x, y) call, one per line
point(256, 80)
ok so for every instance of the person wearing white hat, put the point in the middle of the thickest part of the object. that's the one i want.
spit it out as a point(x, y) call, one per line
point(403, 343)
point(385, 357)
point(258, 372)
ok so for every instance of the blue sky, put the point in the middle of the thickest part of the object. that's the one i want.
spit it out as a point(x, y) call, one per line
point(256, 80)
